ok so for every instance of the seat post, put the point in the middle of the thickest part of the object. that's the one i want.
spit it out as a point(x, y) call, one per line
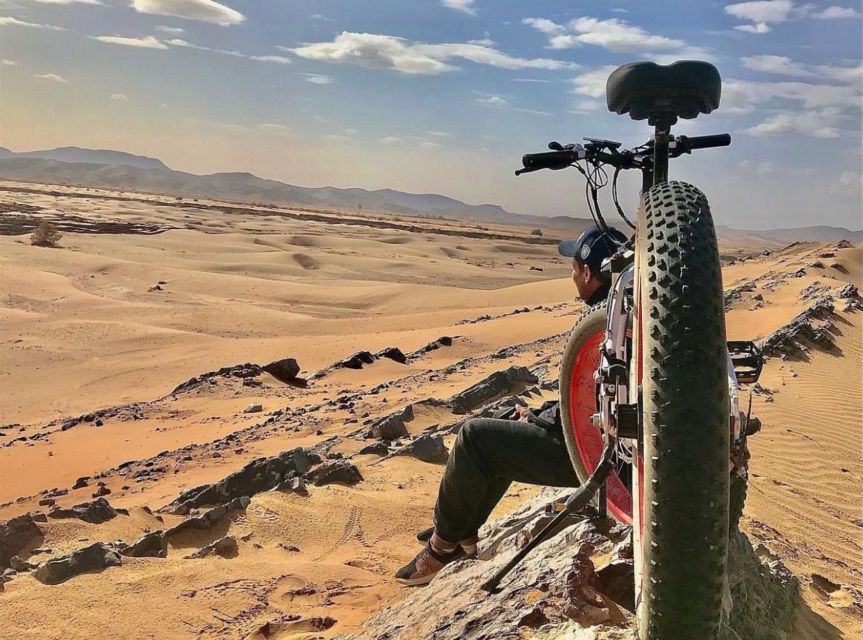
point(661, 137)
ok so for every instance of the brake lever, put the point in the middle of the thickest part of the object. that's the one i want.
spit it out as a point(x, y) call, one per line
point(518, 172)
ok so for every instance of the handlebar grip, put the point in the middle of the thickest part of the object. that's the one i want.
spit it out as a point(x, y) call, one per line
point(548, 160)
point(706, 142)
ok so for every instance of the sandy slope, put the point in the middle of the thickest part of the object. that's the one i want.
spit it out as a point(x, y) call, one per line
point(80, 330)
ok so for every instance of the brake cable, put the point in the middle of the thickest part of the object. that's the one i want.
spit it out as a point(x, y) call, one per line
point(616, 201)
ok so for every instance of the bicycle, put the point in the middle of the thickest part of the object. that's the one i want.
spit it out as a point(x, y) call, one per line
point(648, 383)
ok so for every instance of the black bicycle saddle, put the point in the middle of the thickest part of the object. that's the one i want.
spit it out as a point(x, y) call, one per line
point(684, 89)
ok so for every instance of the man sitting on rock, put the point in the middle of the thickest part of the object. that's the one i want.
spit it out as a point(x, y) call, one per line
point(490, 454)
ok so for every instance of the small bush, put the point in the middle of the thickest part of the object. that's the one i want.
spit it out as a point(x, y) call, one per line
point(536, 232)
point(45, 235)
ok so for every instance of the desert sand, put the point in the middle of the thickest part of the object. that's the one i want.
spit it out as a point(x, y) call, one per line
point(147, 292)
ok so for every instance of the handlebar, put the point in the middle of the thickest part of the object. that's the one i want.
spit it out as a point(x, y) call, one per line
point(549, 160)
point(605, 151)
point(703, 142)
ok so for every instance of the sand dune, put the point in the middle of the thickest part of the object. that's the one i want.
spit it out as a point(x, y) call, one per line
point(115, 322)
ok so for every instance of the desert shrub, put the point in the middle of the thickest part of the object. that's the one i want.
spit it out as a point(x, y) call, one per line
point(536, 232)
point(45, 235)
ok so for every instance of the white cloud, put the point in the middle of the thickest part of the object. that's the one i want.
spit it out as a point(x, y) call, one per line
point(53, 77)
point(273, 59)
point(390, 140)
point(119, 97)
point(439, 134)
point(390, 52)
point(202, 10)
point(7, 21)
point(147, 42)
point(8, 63)
point(70, 2)
point(761, 11)
point(337, 137)
point(753, 28)
point(836, 13)
point(761, 168)
point(428, 144)
point(492, 101)
point(316, 78)
point(824, 123)
point(741, 95)
point(465, 6)
point(174, 31)
point(847, 185)
point(844, 74)
point(779, 65)
point(543, 25)
point(592, 83)
point(612, 34)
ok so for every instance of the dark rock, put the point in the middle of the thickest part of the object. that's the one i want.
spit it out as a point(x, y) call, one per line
point(152, 545)
point(95, 512)
point(294, 485)
point(810, 327)
point(285, 370)
point(255, 407)
point(427, 448)
point(47, 502)
point(81, 482)
point(225, 547)
point(37, 517)
point(206, 520)
point(96, 557)
point(392, 426)
point(393, 353)
point(376, 448)
point(101, 491)
point(847, 292)
point(512, 380)
point(20, 565)
point(339, 471)
point(356, 360)
point(261, 474)
point(735, 294)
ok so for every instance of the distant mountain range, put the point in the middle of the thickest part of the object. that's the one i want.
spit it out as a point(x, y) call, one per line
point(91, 156)
point(125, 171)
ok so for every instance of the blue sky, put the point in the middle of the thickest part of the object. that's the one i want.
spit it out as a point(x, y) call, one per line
point(442, 95)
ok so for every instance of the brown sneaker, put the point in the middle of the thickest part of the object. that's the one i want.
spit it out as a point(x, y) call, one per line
point(468, 545)
point(422, 569)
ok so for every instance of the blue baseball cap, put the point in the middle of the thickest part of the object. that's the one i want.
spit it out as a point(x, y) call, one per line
point(592, 246)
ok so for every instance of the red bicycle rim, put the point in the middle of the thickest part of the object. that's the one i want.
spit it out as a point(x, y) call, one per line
point(588, 439)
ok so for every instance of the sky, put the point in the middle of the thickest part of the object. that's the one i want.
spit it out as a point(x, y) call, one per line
point(443, 96)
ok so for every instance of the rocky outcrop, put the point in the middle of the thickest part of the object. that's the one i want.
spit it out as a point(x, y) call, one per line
point(225, 547)
point(812, 327)
point(427, 448)
point(500, 383)
point(392, 427)
point(261, 474)
point(95, 512)
point(285, 370)
point(93, 558)
point(15, 535)
point(151, 545)
point(335, 472)
point(577, 585)
point(209, 519)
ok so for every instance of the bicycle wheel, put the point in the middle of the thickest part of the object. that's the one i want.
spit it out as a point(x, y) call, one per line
point(683, 470)
point(578, 395)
